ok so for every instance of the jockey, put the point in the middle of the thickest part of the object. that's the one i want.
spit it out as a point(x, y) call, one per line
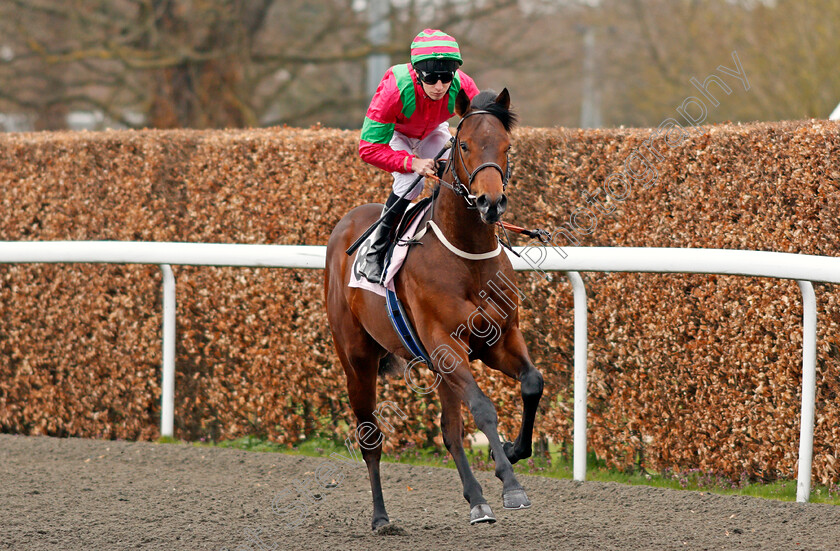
point(406, 126)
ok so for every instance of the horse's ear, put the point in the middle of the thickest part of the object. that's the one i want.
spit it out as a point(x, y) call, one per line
point(462, 103)
point(503, 99)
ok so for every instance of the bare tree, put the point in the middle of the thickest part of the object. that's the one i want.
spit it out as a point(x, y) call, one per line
point(788, 48)
point(180, 63)
point(202, 63)
point(221, 63)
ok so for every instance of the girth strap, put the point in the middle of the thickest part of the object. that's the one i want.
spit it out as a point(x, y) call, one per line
point(404, 329)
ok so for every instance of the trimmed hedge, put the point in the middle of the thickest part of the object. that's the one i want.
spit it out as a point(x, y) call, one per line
point(685, 371)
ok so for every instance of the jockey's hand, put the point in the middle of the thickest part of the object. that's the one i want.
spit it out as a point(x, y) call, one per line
point(425, 167)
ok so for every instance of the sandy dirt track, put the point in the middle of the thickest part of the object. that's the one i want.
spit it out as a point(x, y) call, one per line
point(92, 494)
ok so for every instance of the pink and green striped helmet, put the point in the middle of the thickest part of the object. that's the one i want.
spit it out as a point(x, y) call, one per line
point(434, 44)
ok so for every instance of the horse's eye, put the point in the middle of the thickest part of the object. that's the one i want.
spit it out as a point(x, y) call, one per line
point(464, 147)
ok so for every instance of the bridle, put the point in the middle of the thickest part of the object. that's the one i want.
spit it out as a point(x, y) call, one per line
point(458, 186)
point(466, 192)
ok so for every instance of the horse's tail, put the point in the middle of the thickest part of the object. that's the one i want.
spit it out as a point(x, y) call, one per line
point(391, 364)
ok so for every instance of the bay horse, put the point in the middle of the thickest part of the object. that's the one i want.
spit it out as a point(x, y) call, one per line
point(440, 290)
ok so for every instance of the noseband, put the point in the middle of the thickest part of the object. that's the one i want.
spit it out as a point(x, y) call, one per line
point(459, 188)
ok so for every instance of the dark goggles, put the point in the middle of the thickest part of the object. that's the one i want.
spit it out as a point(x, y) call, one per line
point(432, 78)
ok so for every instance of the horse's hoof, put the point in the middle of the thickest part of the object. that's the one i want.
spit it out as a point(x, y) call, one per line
point(379, 523)
point(390, 530)
point(515, 499)
point(482, 513)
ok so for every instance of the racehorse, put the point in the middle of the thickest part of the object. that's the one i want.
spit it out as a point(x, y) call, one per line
point(441, 287)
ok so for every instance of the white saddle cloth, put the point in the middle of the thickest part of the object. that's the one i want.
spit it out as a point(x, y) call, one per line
point(397, 259)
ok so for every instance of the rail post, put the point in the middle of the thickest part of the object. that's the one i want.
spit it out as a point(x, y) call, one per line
point(809, 390)
point(167, 397)
point(581, 346)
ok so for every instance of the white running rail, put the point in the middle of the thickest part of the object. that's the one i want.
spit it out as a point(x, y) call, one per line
point(802, 268)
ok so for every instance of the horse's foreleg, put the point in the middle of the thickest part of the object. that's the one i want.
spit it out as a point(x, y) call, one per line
point(511, 357)
point(452, 363)
point(452, 426)
point(461, 382)
point(484, 414)
point(531, 387)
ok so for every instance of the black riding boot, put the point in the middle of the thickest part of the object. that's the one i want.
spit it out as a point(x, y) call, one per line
point(376, 245)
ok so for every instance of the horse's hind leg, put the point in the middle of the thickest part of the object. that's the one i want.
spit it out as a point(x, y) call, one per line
point(361, 387)
point(359, 355)
point(452, 426)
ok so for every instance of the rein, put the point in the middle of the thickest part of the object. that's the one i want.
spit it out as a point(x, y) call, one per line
point(538, 233)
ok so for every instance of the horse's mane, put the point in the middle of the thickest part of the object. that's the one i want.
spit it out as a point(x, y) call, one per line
point(486, 100)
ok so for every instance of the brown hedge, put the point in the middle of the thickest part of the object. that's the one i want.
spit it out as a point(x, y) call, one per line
point(685, 371)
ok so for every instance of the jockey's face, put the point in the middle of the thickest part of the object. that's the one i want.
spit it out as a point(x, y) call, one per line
point(437, 90)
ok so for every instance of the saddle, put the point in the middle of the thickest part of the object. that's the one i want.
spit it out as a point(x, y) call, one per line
point(411, 214)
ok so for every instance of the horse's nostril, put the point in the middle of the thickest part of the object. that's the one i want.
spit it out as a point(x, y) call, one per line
point(483, 202)
point(502, 204)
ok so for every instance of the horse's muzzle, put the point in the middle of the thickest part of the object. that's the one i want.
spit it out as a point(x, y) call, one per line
point(491, 211)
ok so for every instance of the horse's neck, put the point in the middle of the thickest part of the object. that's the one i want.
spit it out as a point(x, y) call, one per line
point(461, 226)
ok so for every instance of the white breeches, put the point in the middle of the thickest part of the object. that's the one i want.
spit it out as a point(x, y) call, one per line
point(426, 148)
